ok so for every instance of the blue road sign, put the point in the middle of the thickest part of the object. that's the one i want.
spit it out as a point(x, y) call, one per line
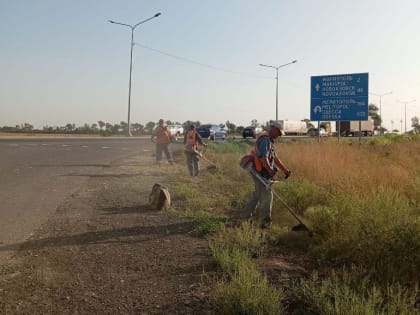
point(340, 97)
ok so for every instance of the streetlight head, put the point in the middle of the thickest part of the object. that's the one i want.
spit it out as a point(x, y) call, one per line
point(157, 14)
point(294, 61)
point(111, 21)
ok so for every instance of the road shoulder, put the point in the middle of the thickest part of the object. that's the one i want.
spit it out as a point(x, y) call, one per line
point(105, 252)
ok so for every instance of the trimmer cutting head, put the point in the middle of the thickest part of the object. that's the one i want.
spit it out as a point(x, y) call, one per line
point(302, 227)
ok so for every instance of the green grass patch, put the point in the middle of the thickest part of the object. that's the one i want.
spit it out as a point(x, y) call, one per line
point(243, 289)
point(350, 292)
point(231, 146)
point(209, 224)
point(248, 292)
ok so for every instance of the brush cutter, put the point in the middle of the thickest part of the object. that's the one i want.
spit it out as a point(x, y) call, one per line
point(267, 184)
point(201, 155)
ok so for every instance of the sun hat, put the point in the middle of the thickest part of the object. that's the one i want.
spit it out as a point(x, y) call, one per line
point(279, 126)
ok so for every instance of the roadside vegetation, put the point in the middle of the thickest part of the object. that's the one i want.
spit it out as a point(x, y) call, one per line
point(362, 202)
point(107, 129)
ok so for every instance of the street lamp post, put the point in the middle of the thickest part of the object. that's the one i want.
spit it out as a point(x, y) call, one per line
point(380, 106)
point(277, 81)
point(133, 27)
point(405, 112)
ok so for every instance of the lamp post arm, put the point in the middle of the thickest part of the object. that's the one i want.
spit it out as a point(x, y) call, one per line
point(380, 95)
point(144, 21)
point(277, 81)
point(278, 67)
point(263, 65)
point(286, 64)
point(113, 22)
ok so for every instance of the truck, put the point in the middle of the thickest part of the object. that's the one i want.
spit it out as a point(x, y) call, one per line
point(329, 127)
point(351, 128)
point(293, 127)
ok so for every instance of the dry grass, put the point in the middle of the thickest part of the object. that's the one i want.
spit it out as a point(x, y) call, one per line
point(356, 169)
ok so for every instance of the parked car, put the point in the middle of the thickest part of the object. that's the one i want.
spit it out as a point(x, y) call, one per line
point(251, 131)
point(211, 131)
point(176, 130)
point(314, 132)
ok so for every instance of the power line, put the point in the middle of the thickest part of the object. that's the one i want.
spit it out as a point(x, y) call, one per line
point(202, 64)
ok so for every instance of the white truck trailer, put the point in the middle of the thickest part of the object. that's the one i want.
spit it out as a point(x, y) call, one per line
point(351, 128)
point(291, 127)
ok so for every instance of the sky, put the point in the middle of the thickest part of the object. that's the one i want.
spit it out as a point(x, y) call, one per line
point(63, 62)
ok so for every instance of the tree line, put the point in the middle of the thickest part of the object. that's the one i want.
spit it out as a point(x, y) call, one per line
point(108, 129)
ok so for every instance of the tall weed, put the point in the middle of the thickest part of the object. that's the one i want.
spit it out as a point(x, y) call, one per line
point(247, 238)
point(301, 194)
point(380, 233)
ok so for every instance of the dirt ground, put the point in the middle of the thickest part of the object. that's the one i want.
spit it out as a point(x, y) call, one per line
point(105, 252)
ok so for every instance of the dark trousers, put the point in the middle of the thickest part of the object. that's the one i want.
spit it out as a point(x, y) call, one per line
point(193, 163)
point(164, 147)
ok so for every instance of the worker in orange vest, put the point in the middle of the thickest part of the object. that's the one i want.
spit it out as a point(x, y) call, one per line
point(191, 141)
point(266, 164)
point(162, 137)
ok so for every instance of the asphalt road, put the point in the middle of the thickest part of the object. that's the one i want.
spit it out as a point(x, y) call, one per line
point(36, 175)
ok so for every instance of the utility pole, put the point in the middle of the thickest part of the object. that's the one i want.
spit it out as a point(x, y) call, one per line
point(405, 112)
point(380, 107)
point(133, 27)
